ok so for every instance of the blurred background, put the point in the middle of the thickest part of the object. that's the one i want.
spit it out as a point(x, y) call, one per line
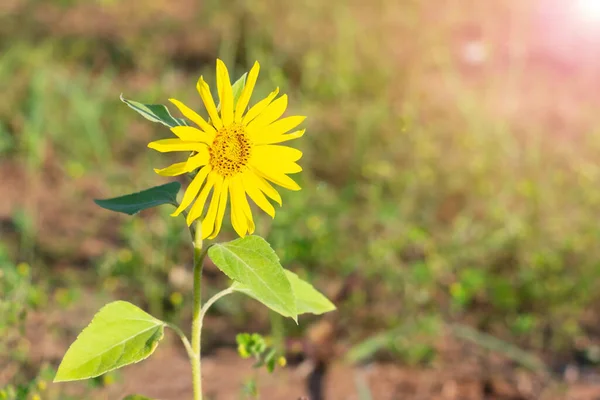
point(449, 204)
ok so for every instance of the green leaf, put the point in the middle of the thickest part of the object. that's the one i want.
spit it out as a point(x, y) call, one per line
point(308, 299)
point(136, 397)
point(253, 264)
point(237, 88)
point(155, 113)
point(120, 334)
point(133, 203)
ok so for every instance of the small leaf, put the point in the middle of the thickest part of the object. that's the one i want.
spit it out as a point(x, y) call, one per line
point(253, 264)
point(120, 334)
point(136, 397)
point(155, 113)
point(308, 299)
point(237, 88)
point(133, 203)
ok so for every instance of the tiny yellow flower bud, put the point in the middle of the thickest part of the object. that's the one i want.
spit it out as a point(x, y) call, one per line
point(108, 380)
point(42, 385)
point(23, 269)
point(176, 298)
point(282, 361)
point(125, 255)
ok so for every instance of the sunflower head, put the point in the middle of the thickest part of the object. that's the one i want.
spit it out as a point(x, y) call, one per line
point(230, 150)
point(237, 153)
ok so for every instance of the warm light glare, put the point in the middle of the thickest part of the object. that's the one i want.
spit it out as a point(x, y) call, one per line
point(588, 10)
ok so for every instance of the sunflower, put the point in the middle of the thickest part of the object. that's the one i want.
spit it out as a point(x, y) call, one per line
point(236, 153)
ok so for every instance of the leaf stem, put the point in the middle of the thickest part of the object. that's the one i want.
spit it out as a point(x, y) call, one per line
point(213, 299)
point(184, 339)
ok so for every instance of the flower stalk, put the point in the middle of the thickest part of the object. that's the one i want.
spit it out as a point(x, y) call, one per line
point(199, 255)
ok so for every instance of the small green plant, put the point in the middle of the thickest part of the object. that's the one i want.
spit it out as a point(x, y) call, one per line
point(254, 345)
point(19, 296)
point(34, 389)
point(235, 153)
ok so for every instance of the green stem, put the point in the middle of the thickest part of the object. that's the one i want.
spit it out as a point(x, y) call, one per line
point(198, 312)
point(199, 255)
point(186, 342)
point(212, 300)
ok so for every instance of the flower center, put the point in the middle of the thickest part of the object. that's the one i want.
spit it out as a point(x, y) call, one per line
point(230, 150)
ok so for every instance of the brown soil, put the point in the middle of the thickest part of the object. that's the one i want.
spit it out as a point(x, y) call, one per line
point(462, 371)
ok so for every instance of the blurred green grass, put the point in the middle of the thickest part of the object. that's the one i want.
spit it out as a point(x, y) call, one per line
point(453, 191)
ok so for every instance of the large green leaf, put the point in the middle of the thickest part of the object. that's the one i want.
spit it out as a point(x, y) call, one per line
point(251, 262)
point(120, 334)
point(135, 202)
point(308, 299)
point(155, 113)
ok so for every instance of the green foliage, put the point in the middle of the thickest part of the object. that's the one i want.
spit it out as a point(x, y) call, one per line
point(155, 113)
point(134, 203)
point(254, 345)
point(308, 299)
point(147, 242)
point(136, 397)
point(411, 341)
point(120, 334)
point(34, 389)
point(19, 297)
point(251, 262)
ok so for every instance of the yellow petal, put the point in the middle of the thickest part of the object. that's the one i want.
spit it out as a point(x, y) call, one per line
point(208, 223)
point(270, 114)
point(173, 169)
point(256, 194)
point(264, 186)
point(259, 107)
point(277, 177)
point(238, 218)
point(222, 207)
point(258, 134)
point(251, 225)
point(275, 160)
point(169, 145)
point(288, 167)
point(279, 138)
point(194, 117)
point(209, 103)
point(274, 153)
point(192, 190)
point(246, 92)
point(198, 207)
point(247, 210)
point(191, 164)
point(225, 93)
point(191, 134)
